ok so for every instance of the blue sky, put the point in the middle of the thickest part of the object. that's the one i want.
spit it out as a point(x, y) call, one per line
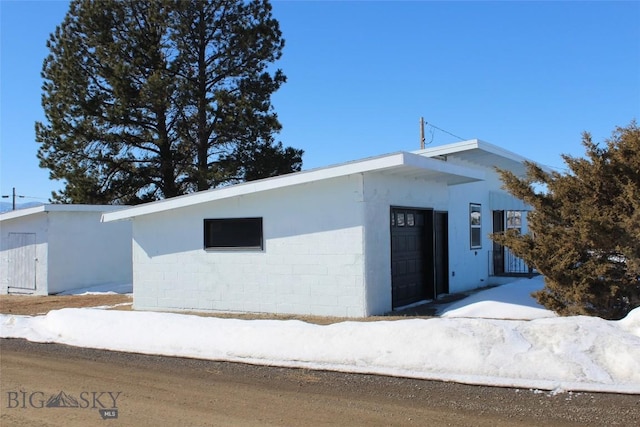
point(527, 76)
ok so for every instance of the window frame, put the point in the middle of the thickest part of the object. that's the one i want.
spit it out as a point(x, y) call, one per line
point(475, 224)
point(245, 242)
point(513, 220)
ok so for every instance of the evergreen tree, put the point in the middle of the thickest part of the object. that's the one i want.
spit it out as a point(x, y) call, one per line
point(585, 228)
point(152, 99)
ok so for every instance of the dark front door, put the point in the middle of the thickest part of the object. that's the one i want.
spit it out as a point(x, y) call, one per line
point(498, 250)
point(411, 256)
point(441, 252)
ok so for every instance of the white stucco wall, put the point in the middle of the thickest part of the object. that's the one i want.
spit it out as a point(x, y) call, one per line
point(312, 262)
point(38, 225)
point(85, 252)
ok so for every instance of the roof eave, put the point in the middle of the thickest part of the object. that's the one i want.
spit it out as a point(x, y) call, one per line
point(55, 207)
point(457, 174)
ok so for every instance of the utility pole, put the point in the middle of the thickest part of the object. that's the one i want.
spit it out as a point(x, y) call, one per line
point(422, 133)
point(14, 198)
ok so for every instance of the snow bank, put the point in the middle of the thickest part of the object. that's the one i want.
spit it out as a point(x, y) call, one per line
point(571, 353)
point(511, 301)
point(109, 289)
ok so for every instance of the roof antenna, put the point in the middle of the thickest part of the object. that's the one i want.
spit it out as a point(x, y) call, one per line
point(422, 133)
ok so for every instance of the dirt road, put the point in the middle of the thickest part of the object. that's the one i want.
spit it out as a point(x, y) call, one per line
point(91, 388)
point(55, 385)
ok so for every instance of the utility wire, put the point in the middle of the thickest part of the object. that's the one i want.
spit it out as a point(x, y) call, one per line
point(34, 197)
point(442, 130)
point(15, 196)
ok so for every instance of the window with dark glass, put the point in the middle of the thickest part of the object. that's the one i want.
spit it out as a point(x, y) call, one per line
point(233, 233)
point(410, 220)
point(475, 226)
point(400, 220)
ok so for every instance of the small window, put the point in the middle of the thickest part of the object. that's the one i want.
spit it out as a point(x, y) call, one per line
point(410, 220)
point(514, 220)
point(400, 220)
point(233, 233)
point(475, 225)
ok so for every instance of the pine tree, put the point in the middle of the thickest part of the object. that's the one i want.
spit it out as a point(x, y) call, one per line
point(152, 99)
point(585, 228)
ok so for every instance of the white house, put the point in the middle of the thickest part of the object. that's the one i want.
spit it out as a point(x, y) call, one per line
point(354, 239)
point(54, 248)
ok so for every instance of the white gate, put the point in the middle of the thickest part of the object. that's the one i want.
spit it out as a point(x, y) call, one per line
point(22, 262)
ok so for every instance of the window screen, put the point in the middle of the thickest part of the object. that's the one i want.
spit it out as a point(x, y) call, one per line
point(229, 233)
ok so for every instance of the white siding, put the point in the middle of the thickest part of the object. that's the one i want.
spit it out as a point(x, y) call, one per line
point(312, 262)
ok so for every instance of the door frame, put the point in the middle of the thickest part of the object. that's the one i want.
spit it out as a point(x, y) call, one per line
point(435, 251)
point(441, 252)
point(498, 258)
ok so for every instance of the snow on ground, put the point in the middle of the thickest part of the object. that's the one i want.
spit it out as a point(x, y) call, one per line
point(511, 301)
point(111, 289)
point(551, 353)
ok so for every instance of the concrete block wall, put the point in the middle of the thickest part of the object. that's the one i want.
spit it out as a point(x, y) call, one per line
point(382, 191)
point(312, 261)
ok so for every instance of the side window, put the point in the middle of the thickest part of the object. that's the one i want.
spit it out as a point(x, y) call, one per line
point(475, 225)
point(514, 220)
point(233, 233)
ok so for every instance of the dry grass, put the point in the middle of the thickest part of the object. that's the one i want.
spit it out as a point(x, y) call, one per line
point(36, 305)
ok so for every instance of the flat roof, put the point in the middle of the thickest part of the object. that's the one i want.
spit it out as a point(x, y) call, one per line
point(483, 154)
point(58, 207)
point(401, 163)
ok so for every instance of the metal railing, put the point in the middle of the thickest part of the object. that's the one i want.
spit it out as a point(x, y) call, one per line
point(505, 263)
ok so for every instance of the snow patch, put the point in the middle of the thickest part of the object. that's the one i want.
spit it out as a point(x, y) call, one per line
point(475, 342)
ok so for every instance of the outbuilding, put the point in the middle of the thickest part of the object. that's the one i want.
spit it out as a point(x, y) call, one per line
point(54, 248)
point(350, 240)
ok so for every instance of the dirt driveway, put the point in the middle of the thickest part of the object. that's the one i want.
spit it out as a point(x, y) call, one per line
point(35, 305)
point(93, 387)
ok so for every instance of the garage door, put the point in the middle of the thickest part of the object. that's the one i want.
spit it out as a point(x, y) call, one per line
point(411, 256)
